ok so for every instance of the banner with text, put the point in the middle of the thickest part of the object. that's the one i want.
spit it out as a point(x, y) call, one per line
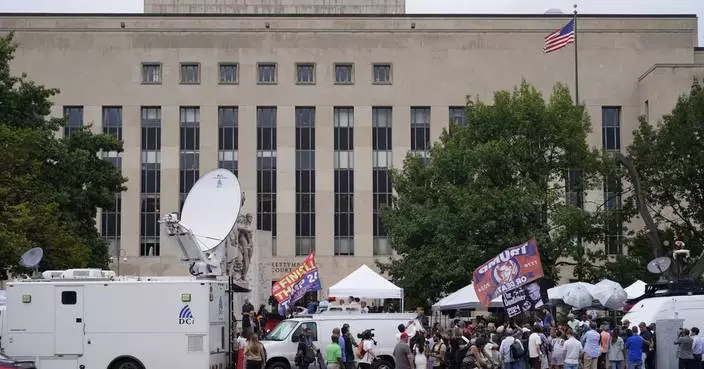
point(295, 284)
point(525, 298)
point(512, 268)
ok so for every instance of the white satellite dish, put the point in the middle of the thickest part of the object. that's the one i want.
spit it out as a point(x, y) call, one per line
point(31, 259)
point(209, 214)
point(212, 207)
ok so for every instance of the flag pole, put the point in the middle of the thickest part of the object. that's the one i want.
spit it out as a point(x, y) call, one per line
point(576, 60)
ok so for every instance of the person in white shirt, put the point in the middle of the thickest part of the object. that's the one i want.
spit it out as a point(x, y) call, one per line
point(505, 351)
point(697, 348)
point(534, 342)
point(573, 351)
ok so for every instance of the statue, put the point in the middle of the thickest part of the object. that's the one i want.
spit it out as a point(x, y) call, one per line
point(241, 246)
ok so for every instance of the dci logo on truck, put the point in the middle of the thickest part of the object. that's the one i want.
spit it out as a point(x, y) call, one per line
point(185, 316)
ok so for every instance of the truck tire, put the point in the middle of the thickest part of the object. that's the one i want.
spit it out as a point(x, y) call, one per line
point(382, 364)
point(278, 364)
point(126, 363)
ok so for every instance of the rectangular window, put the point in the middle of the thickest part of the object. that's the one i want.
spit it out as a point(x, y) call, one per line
point(305, 180)
point(74, 119)
point(111, 218)
point(189, 155)
point(574, 189)
point(151, 73)
point(611, 128)
point(381, 180)
point(229, 73)
point(614, 221)
point(112, 121)
point(457, 116)
point(646, 111)
point(266, 73)
point(420, 129)
point(344, 73)
point(382, 74)
point(305, 73)
point(190, 73)
point(266, 171)
point(343, 146)
point(150, 180)
point(228, 138)
point(266, 128)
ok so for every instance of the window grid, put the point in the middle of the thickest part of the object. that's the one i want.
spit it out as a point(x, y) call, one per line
point(74, 120)
point(228, 138)
point(381, 74)
point(420, 130)
point(266, 171)
point(343, 146)
point(574, 190)
point(611, 128)
point(189, 155)
point(305, 180)
point(611, 141)
point(614, 225)
point(381, 181)
point(151, 73)
point(266, 73)
point(190, 73)
point(111, 219)
point(344, 73)
point(150, 180)
point(305, 73)
point(228, 73)
point(457, 116)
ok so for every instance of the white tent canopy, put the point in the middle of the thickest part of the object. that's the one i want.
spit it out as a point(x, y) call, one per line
point(637, 289)
point(464, 298)
point(364, 282)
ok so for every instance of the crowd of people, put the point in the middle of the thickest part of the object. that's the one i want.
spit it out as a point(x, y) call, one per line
point(479, 344)
point(545, 344)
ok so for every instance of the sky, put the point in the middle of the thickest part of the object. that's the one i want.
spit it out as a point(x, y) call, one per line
point(412, 6)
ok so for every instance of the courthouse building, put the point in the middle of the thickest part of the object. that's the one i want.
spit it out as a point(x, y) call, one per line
point(311, 103)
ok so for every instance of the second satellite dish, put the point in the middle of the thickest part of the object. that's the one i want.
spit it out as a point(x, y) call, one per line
point(32, 258)
point(211, 208)
point(659, 265)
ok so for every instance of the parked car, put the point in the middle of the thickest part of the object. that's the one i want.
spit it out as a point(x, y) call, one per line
point(7, 362)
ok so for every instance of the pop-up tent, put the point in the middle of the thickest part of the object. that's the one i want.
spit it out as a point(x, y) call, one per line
point(464, 298)
point(364, 282)
point(637, 289)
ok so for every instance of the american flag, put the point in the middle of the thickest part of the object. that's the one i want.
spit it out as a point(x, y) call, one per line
point(559, 38)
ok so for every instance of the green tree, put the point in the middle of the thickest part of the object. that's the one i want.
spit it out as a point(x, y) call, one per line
point(490, 185)
point(669, 157)
point(50, 188)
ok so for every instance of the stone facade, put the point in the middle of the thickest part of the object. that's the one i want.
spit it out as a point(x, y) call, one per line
point(275, 6)
point(436, 61)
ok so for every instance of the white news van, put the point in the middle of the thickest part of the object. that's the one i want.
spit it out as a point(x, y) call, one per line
point(650, 310)
point(281, 343)
point(88, 318)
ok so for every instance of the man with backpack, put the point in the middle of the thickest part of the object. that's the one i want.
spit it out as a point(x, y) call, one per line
point(511, 351)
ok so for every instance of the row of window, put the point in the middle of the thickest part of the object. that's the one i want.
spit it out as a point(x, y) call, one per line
point(305, 172)
point(267, 73)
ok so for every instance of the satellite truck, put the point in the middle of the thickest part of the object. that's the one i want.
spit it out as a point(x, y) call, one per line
point(93, 319)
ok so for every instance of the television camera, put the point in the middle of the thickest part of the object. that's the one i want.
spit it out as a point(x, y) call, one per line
point(367, 334)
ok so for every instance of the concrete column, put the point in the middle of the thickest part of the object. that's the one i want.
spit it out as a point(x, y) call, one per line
point(400, 134)
point(247, 157)
point(170, 162)
point(324, 182)
point(208, 138)
point(363, 184)
point(131, 168)
point(439, 120)
point(285, 181)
